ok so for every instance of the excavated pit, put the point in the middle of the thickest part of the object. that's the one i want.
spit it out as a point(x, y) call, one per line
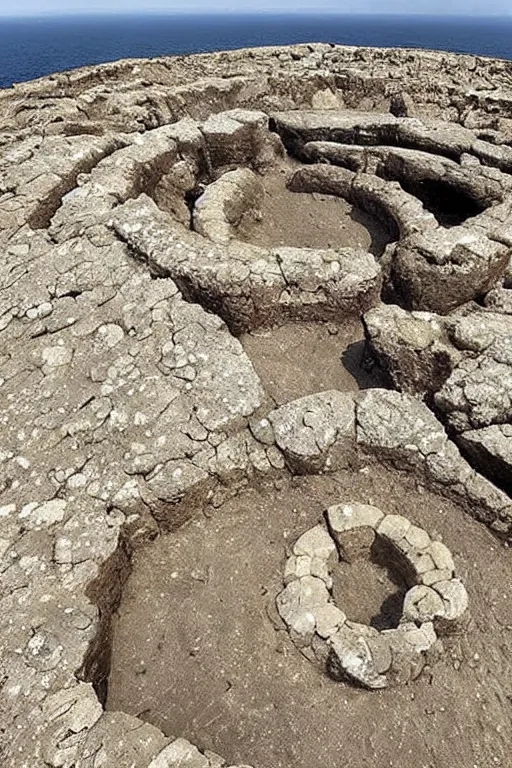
point(199, 649)
point(370, 591)
point(310, 220)
point(301, 358)
point(450, 206)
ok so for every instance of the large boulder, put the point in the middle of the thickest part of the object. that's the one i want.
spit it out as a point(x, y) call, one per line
point(411, 348)
point(316, 433)
point(439, 271)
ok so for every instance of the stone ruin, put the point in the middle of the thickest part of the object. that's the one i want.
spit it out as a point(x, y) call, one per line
point(436, 600)
point(128, 401)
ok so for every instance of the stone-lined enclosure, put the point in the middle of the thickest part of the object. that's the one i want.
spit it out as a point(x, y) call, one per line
point(436, 602)
point(128, 402)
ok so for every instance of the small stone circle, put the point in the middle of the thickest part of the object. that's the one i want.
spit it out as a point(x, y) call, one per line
point(435, 604)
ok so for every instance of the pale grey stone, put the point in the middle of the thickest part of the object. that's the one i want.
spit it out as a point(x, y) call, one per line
point(411, 347)
point(421, 604)
point(179, 754)
point(442, 556)
point(394, 527)
point(288, 600)
point(290, 570)
point(353, 654)
point(320, 569)
point(344, 517)
point(417, 538)
point(328, 620)
point(431, 577)
point(302, 566)
point(381, 653)
point(313, 593)
point(315, 543)
point(316, 433)
point(455, 597)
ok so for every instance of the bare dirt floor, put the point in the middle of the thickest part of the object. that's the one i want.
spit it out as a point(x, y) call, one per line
point(199, 651)
point(301, 358)
point(310, 220)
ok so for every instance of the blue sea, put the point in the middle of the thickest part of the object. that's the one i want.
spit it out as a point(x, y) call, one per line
point(31, 47)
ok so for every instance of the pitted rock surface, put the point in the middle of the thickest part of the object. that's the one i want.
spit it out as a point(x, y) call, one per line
point(127, 400)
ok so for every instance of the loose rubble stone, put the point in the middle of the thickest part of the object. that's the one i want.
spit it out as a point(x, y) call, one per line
point(352, 653)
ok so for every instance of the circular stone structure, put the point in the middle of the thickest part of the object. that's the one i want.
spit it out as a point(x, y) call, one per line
point(127, 279)
point(436, 602)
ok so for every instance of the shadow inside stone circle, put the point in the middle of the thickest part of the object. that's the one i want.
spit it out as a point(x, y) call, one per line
point(390, 612)
point(362, 367)
point(383, 230)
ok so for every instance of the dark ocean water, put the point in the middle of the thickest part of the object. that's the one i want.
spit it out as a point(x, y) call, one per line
point(33, 47)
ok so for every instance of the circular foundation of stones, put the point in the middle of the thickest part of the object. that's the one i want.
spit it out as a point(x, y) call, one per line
point(435, 603)
point(128, 402)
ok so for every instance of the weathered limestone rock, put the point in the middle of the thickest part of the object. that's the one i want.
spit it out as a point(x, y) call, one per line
point(317, 432)
point(222, 205)
point(434, 357)
point(121, 740)
point(353, 527)
point(409, 436)
point(499, 300)
point(438, 271)
point(490, 449)
point(405, 428)
point(180, 754)
point(353, 656)
point(241, 136)
point(478, 393)
point(421, 604)
point(410, 647)
point(478, 330)
point(315, 543)
point(411, 347)
point(436, 602)
point(455, 600)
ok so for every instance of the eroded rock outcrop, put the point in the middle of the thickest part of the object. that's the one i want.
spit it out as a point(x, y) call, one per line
point(128, 400)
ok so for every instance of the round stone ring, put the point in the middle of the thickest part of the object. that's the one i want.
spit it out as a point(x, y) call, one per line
point(435, 604)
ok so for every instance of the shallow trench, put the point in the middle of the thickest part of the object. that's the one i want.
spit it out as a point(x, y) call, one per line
point(302, 358)
point(198, 649)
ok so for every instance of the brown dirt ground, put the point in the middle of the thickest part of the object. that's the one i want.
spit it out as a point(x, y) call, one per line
point(197, 652)
point(301, 358)
point(310, 220)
